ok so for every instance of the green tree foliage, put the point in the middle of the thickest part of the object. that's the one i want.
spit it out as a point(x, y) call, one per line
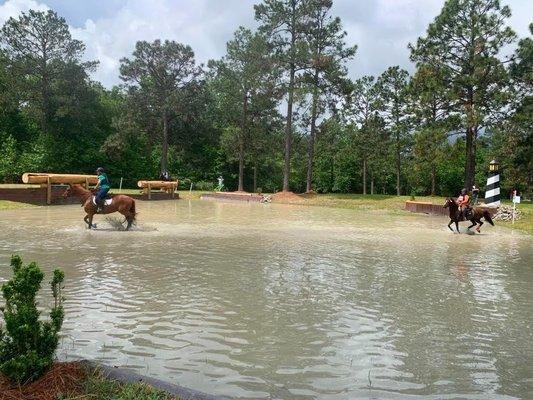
point(432, 122)
point(463, 106)
point(158, 75)
point(28, 345)
point(8, 158)
point(464, 41)
point(393, 107)
point(512, 141)
point(49, 95)
point(369, 140)
point(43, 55)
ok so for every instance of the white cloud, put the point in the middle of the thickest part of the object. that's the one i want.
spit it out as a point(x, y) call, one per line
point(12, 8)
point(381, 28)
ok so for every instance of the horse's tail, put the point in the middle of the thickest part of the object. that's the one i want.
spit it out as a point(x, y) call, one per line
point(132, 209)
point(487, 216)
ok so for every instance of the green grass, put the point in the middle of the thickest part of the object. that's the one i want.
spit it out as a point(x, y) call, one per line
point(365, 202)
point(97, 387)
point(13, 205)
point(525, 224)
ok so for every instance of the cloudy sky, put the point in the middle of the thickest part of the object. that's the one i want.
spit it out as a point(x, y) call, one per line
point(381, 28)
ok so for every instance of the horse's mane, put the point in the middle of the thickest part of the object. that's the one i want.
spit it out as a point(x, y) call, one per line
point(80, 191)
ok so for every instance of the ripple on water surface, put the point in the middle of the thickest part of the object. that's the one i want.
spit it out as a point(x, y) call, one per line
point(273, 301)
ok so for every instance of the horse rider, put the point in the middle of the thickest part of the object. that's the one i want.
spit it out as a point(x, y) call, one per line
point(102, 188)
point(462, 201)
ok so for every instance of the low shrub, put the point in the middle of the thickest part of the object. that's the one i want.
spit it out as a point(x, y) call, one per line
point(28, 345)
point(204, 185)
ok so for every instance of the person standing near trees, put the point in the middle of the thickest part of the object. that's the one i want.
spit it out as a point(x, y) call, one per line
point(475, 194)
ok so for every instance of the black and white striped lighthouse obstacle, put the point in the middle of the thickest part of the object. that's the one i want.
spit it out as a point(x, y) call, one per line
point(492, 192)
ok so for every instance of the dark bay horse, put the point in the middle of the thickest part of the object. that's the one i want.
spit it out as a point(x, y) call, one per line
point(474, 215)
point(121, 203)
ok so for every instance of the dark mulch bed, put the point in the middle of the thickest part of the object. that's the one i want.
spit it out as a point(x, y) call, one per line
point(63, 379)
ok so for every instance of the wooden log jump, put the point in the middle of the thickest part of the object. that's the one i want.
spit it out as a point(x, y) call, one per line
point(147, 186)
point(49, 179)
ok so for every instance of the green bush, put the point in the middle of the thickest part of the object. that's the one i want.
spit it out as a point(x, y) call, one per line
point(205, 186)
point(27, 345)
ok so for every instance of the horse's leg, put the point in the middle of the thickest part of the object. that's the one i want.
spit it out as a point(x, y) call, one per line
point(86, 219)
point(473, 224)
point(457, 226)
point(478, 229)
point(127, 214)
point(451, 222)
point(91, 221)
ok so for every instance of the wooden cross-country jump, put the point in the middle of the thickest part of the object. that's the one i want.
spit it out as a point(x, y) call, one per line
point(49, 179)
point(147, 186)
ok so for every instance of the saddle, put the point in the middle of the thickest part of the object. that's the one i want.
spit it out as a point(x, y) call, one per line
point(108, 199)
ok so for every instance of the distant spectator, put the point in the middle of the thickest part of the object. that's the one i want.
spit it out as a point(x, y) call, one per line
point(475, 194)
point(165, 176)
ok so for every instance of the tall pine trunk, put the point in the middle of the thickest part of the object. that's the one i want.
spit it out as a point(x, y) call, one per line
point(45, 98)
point(241, 144)
point(433, 179)
point(255, 177)
point(364, 175)
point(288, 132)
point(398, 163)
point(371, 183)
point(288, 127)
point(164, 148)
point(312, 135)
point(470, 165)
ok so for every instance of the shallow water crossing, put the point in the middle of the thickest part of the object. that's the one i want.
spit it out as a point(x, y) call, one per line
point(288, 302)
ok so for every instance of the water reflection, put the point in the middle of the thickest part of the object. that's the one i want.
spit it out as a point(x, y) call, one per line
point(255, 301)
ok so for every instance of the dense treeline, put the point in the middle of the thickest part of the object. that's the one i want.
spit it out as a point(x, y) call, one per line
point(278, 111)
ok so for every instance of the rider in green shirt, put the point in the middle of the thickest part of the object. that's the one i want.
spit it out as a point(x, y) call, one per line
point(103, 187)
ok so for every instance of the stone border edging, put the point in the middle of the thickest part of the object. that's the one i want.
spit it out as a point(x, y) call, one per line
point(127, 376)
point(234, 197)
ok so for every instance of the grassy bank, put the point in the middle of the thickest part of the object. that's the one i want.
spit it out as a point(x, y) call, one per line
point(97, 387)
point(365, 202)
point(525, 224)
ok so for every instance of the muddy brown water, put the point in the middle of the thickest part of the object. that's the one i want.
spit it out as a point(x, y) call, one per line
point(286, 302)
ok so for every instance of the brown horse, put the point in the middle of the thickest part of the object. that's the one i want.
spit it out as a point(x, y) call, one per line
point(474, 215)
point(121, 203)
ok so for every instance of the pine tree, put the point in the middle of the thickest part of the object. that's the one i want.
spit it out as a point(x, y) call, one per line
point(284, 23)
point(464, 40)
point(327, 74)
point(394, 109)
point(244, 83)
point(159, 72)
point(41, 52)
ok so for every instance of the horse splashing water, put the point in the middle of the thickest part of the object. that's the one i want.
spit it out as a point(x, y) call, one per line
point(119, 203)
point(474, 215)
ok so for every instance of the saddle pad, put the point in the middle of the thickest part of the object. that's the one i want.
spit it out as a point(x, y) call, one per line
point(106, 201)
